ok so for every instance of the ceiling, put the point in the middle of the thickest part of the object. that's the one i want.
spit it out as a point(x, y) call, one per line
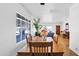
point(57, 11)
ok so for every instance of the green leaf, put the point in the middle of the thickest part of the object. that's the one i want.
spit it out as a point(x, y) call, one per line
point(36, 24)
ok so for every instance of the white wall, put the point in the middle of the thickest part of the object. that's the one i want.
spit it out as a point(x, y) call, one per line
point(74, 28)
point(49, 19)
point(46, 18)
point(8, 44)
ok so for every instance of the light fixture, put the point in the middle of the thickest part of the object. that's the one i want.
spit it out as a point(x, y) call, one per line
point(42, 3)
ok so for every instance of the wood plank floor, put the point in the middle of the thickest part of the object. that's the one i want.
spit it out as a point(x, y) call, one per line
point(64, 43)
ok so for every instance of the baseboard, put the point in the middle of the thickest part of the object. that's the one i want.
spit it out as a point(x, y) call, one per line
point(74, 51)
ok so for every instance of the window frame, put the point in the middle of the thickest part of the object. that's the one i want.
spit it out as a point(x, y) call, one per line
point(22, 26)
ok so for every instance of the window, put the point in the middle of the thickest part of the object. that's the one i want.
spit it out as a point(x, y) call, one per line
point(18, 30)
point(22, 28)
point(18, 23)
point(49, 28)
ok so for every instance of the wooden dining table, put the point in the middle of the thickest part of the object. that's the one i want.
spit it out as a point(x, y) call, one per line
point(25, 51)
point(41, 39)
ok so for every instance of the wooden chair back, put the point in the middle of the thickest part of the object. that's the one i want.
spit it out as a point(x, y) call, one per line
point(41, 48)
point(28, 38)
point(55, 38)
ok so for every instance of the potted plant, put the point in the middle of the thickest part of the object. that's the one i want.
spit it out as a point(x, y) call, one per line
point(37, 26)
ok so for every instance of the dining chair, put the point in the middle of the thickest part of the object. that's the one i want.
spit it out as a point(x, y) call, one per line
point(55, 38)
point(41, 48)
point(28, 38)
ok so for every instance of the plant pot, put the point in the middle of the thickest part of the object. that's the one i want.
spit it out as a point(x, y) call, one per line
point(37, 34)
